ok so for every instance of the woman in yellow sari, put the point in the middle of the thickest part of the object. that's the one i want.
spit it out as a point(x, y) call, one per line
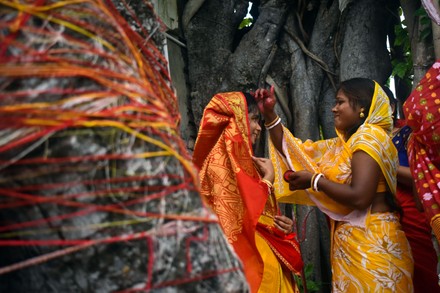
point(352, 178)
point(238, 187)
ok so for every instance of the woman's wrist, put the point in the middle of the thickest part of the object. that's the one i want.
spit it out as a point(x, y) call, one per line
point(268, 183)
point(273, 123)
point(315, 181)
point(269, 178)
point(270, 117)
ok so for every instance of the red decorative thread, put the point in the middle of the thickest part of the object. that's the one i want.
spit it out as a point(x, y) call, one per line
point(126, 92)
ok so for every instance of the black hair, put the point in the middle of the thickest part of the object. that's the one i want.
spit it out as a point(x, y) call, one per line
point(390, 95)
point(393, 101)
point(251, 103)
point(252, 107)
point(360, 93)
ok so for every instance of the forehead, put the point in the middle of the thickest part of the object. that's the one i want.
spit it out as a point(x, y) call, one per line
point(253, 112)
point(341, 95)
point(254, 116)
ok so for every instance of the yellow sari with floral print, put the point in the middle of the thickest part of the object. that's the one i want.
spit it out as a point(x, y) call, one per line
point(369, 251)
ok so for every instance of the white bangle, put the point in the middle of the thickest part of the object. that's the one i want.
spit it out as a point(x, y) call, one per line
point(315, 182)
point(274, 124)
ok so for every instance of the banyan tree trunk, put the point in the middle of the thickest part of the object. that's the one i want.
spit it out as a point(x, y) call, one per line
point(97, 190)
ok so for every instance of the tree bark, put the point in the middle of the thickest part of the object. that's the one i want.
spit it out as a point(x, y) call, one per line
point(105, 200)
point(421, 49)
point(364, 52)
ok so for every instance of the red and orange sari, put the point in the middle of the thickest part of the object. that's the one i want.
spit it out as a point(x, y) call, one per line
point(232, 187)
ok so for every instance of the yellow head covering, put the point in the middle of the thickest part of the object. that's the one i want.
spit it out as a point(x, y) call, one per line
point(332, 157)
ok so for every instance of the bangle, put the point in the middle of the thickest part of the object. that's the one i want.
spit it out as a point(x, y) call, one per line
point(315, 181)
point(275, 124)
point(272, 122)
point(268, 183)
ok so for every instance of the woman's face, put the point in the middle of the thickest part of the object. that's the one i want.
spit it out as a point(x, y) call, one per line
point(254, 123)
point(345, 116)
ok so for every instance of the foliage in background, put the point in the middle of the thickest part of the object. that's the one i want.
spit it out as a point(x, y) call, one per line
point(247, 22)
point(403, 67)
point(425, 22)
point(312, 286)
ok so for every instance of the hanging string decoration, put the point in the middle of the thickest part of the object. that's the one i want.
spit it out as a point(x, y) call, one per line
point(97, 190)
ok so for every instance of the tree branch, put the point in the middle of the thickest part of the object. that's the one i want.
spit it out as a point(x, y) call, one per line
point(191, 8)
point(266, 66)
point(320, 63)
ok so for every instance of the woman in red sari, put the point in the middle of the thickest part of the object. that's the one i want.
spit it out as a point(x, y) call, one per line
point(238, 187)
point(414, 222)
point(422, 112)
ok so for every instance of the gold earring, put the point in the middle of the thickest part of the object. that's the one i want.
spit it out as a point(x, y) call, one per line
point(361, 114)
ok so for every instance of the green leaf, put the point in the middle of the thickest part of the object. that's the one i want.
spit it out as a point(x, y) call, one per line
point(401, 36)
point(421, 12)
point(246, 23)
point(401, 69)
point(312, 286)
point(308, 269)
point(425, 20)
point(425, 35)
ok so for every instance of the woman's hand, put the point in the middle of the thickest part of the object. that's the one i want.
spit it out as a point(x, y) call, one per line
point(284, 224)
point(266, 100)
point(299, 180)
point(265, 168)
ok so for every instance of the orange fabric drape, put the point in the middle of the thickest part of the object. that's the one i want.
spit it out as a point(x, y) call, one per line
point(232, 187)
point(230, 184)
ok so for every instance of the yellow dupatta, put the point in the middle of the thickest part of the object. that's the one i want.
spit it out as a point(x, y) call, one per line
point(332, 157)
